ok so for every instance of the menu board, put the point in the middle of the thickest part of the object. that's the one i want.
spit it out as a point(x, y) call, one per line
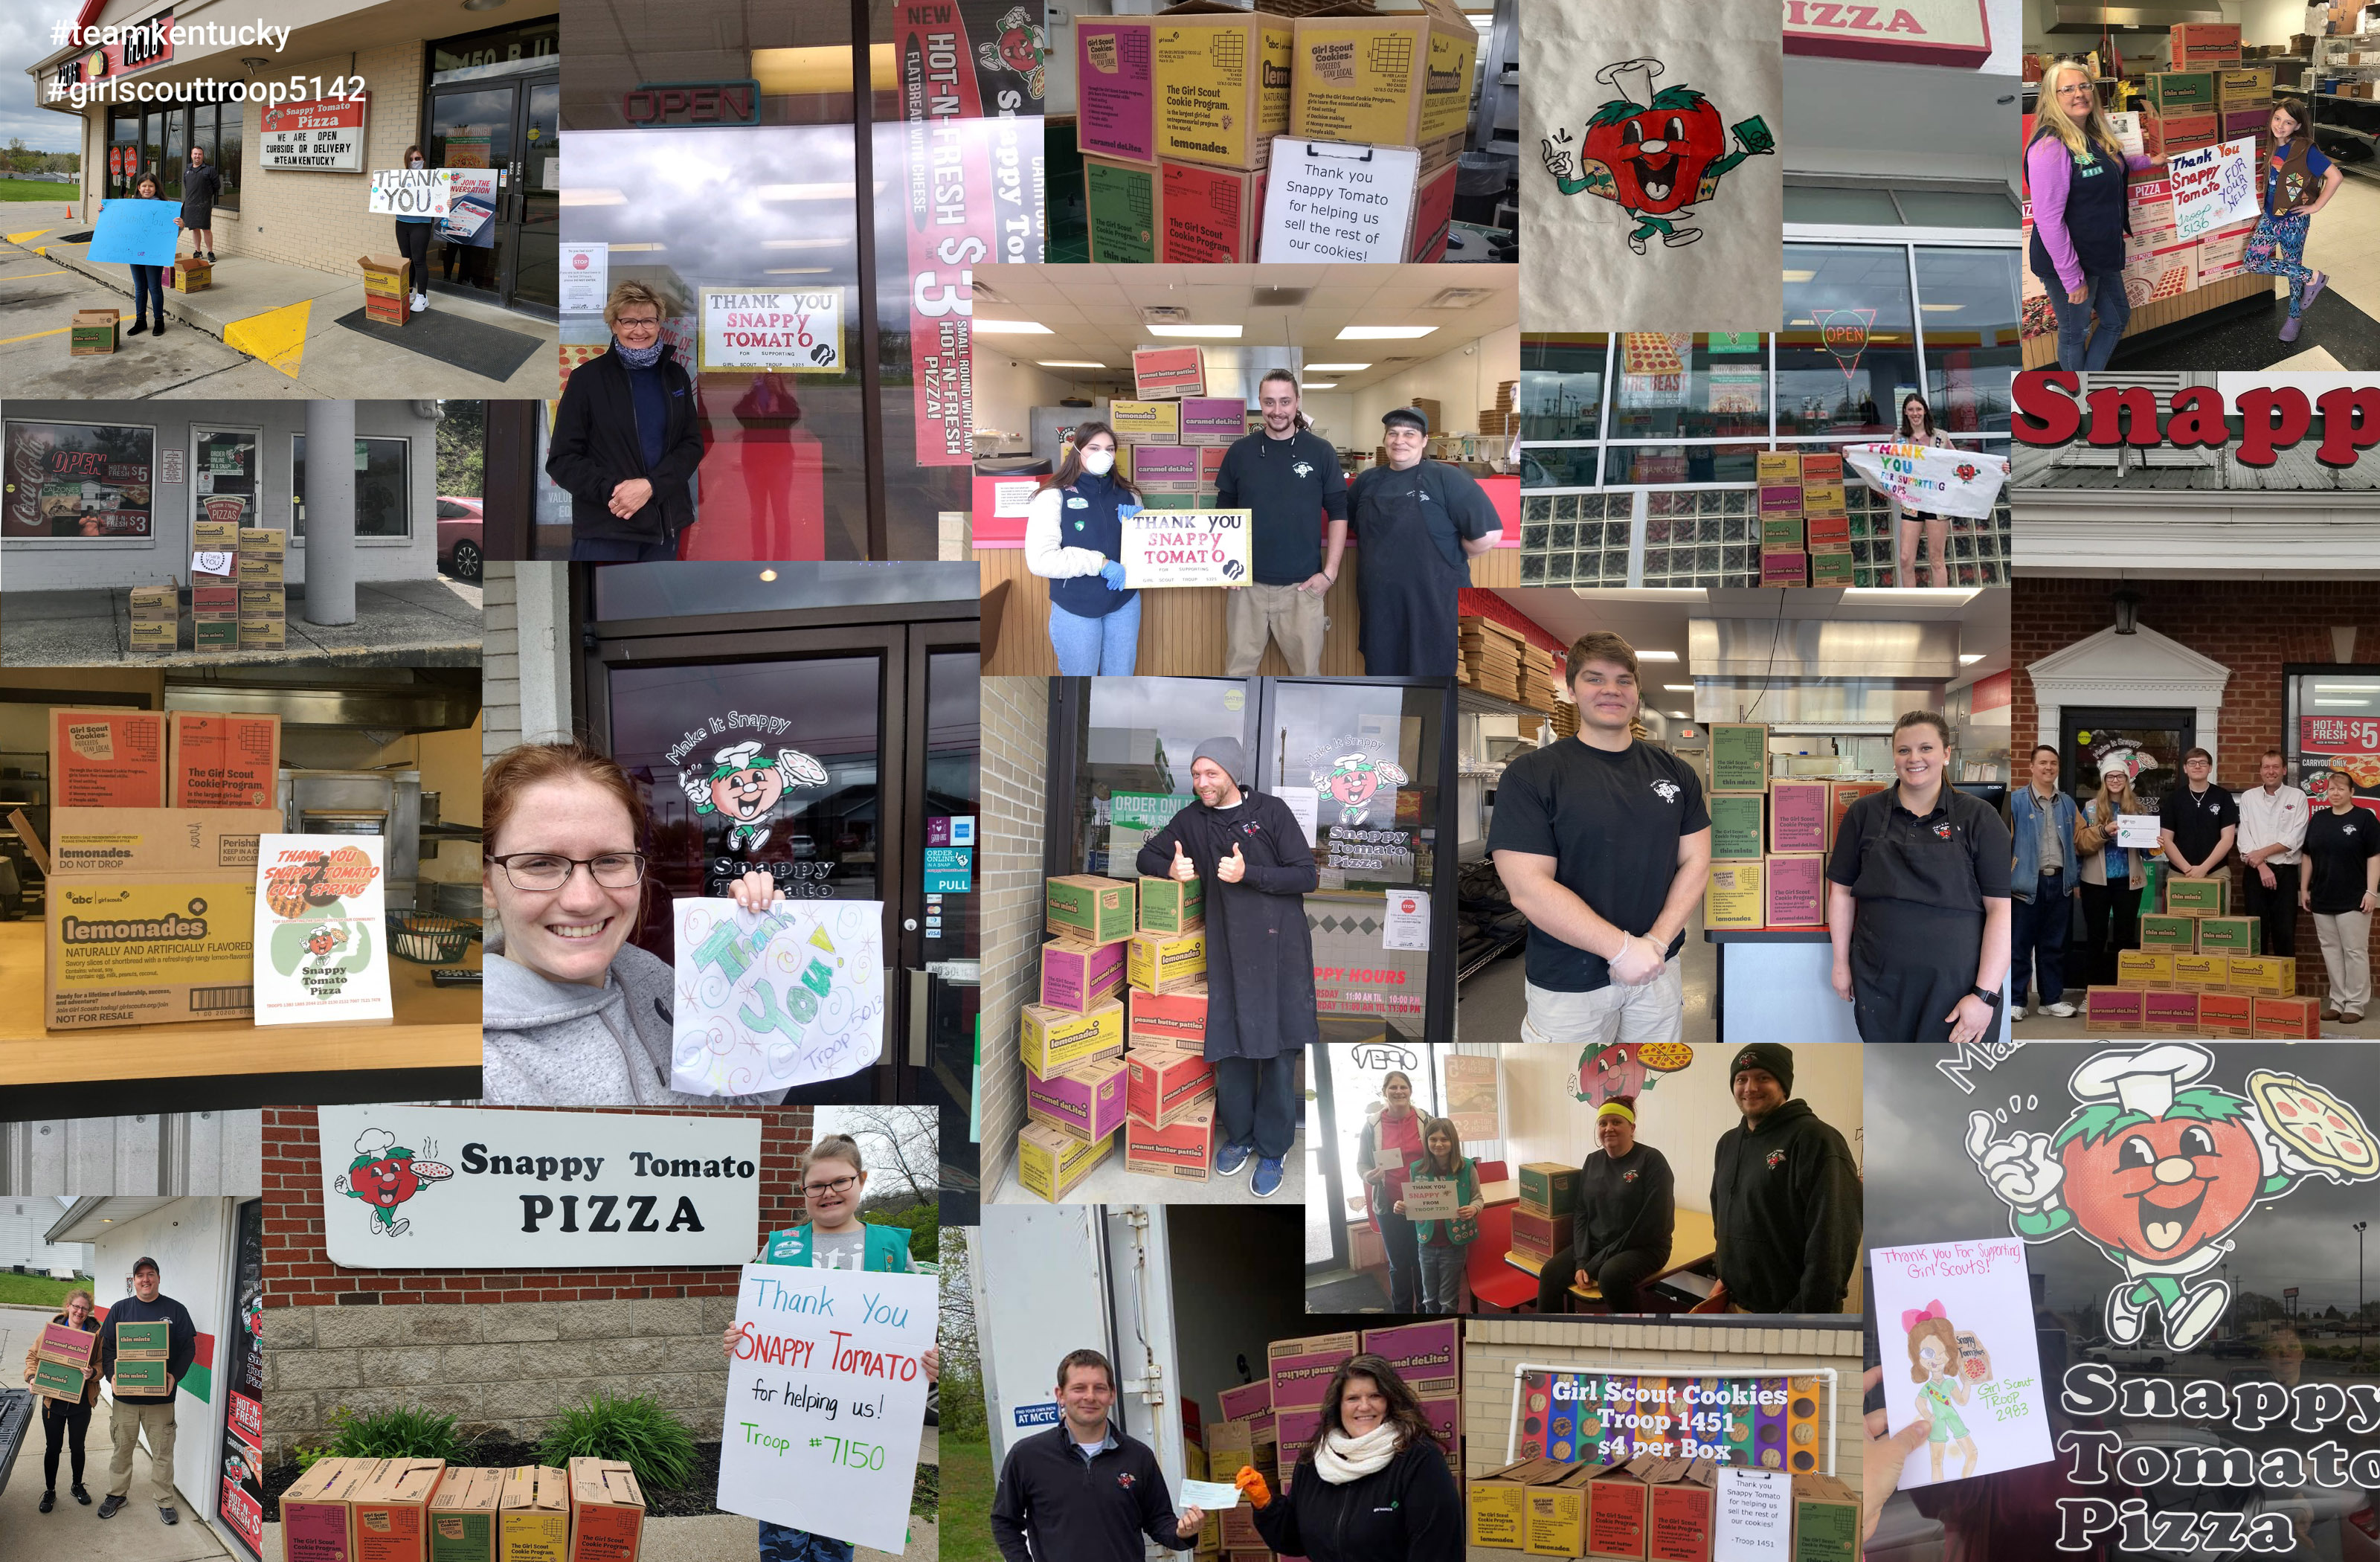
point(77, 479)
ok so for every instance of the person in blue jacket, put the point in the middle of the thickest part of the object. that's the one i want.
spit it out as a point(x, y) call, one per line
point(1074, 537)
point(833, 1183)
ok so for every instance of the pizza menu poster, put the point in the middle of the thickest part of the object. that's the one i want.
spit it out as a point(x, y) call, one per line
point(1954, 1331)
point(321, 945)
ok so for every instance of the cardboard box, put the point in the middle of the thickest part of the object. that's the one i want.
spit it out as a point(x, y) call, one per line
point(1172, 906)
point(1300, 1368)
point(263, 541)
point(1124, 200)
point(1164, 469)
point(215, 634)
point(1242, 1400)
point(388, 309)
point(1770, 467)
point(1184, 1150)
point(463, 1515)
point(2194, 973)
point(1546, 1188)
point(607, 1511)
point(1395, 78)
point(391, 1510)
point(1050, 1163)
point(1498, 1509)
point(1739, 756)
point(124, 947)
point(1154, 962)
point(2145, 968)
point(269, 634)
point(1820, 466)
point(1427, 1356)
point(2184, 91)
point(1543, 1235)
point(2267, 976)
point(2295, 1018)
point(2170, 933)
point(140, 1376)
point(1086, 1102)
point(1243, 1443)
point(1840, 794)
point(1735, 826)
point(263, 602)
point(1735, 897)
point(1797, 816)
point(218, 761)
point(1822, 498)
point(144, 1342)
point(1078, 977)
point(1222, 84)
point(1213, 422)
point(2231, 936)
point(1783, 534)
point(2197, 898)
point(390, 276)
point(1162, 1088)
point(1831, 567)
point(1089, 909)
point(93, 333)
point(1683, 1510)
point(2170, 1012)
point(1212, 216)
point(251, 570)
point(152, 638)
point(1618, 1508)
point(1051, 1039)
point(1827, 532)
point(1163, 373)
point(218, 601)
point(154, 605)
point(189, 275)
point(1144, 423)
point(2243, 84)
point(1795, 892)
point(106, 758)
point(2226, 1014)
point(1826, 1519)
point(535, 1516)
point(54, 1379)
point(1780, 500)
point(1784, 568)
point(1175, 1021)
point(316, 1513)
point(214, 536)
point(1555, 1513)
point(2115, 1008)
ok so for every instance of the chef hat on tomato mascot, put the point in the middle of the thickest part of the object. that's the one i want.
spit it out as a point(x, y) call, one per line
point(2146, 1080)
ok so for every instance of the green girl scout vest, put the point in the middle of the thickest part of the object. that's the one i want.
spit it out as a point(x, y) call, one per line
point(888, 1247)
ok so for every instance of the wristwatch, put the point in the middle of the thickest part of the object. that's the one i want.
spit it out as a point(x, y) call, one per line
point(1988, 996)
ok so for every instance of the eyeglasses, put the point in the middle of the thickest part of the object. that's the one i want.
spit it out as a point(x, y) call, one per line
point(840, 1184)
point(647, 323)
point(545, 870)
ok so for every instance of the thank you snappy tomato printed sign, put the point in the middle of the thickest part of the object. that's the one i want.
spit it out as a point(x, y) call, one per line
point(1186, 548)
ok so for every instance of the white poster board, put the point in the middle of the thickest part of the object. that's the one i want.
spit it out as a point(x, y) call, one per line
point(323, 135)
point(1186, 548)
point(2138, 830)
point(1755, 1516)
point(411, 193)
point(1961, 1314)
point(797, 331)
point(2212, 187)
point(321, 933)
point(1338, 201)
point(826, 1394)
point(773, 999)
point(584, 269)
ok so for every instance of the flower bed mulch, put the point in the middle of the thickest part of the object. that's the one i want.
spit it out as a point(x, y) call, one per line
point(690, 1501)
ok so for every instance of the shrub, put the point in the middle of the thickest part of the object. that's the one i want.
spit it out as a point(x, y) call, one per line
point(387, 1434)
point(630, 1428)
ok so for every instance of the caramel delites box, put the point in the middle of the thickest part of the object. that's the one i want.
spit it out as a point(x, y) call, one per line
point(1302, 1368)
point(1086, 1102)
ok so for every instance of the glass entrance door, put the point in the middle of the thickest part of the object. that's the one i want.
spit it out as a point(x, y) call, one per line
point(2088, 735)
point(500, 243)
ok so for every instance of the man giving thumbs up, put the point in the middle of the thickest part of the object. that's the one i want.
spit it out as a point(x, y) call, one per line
point(1259, 956)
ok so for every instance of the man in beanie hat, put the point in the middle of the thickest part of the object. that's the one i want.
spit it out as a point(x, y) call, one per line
point(1626, 1205)
point(1417, 523)
point(1251, 854)
point(1785, 1195)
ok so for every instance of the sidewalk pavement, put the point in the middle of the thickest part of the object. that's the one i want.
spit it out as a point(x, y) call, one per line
point(398, 624)
point(281, 322)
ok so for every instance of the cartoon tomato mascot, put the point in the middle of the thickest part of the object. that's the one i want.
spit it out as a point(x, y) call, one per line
point(1653, 152)
point(1354, 782)
point(1017, 49)
point(1623, 1070)
point(384, 1173)
point(2157, 1171)
point(744, 787)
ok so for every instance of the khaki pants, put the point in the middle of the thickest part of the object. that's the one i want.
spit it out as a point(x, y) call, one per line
point(130, 1419)
point(1654, 1012)
point(2346, 956)
point(1290, 615)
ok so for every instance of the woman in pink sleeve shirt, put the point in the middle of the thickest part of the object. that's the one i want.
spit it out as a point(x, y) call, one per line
point(2075, 169)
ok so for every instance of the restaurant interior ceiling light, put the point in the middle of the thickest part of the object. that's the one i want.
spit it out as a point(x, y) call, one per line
point(1336, 368)
point(624, 249)
point(768, 575)
point(1066, 364)
point(1644, 656)
point(1967, 658)
point(1320, 384)
point(1010, 329)
point(821, 71)
point(1679, 687)
point(1203, 333)
point(843, 192)
point(1384, 333)
point(1800, 275)
point(1682, 715)
point(2332, 686)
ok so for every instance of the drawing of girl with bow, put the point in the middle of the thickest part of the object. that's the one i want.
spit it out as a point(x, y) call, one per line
point(1934, 1366)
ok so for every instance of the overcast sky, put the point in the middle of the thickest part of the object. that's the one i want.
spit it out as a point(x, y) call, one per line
point(24, 38)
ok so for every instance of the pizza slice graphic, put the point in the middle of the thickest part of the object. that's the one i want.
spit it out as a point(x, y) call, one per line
point(2314, 1123)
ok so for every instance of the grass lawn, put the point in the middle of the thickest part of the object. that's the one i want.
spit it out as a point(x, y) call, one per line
point(967, 1503)
point(38, 189)
point(35, 1290)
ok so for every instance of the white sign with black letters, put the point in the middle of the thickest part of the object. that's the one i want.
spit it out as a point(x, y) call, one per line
point(1186, 548)
point(459, 1188)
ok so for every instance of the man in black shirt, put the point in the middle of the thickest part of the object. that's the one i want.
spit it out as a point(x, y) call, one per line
point(1082, 1491)
point(2197, 823)
point(2342, 887)
point(1624, 1211)
point(1287, 477)
point(145, 1409)
point(1603, 844)
point(1785, 1195)
point(1417, 523)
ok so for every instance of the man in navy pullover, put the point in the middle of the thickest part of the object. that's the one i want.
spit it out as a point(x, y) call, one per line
point(145, 1409)
point(1083, 1490)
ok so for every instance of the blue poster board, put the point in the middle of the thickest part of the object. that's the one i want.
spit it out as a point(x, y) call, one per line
point(139, 233)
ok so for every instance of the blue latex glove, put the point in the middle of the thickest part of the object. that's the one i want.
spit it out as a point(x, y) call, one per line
point(1112, 573)
point(1127, 509)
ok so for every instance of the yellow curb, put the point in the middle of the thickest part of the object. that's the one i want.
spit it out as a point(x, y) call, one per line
point(28, 233)
point(278, 336)
point(61, 331)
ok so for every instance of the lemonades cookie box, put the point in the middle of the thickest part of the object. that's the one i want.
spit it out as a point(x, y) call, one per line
point(1050, 1163)
point(1053, 1039)
point(152, 915)
point(534, 1515)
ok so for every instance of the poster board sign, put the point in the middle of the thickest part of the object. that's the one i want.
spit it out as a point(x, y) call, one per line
point(1431, 1199)
point(2339, 734)
point(470, 208)
point(585, 271)
point(1775, 1418)
point(772, 999)
point(459, 1188)
point(2138, 830)
point(325, 135)
point(801, 331)
point(411, 193)
point(2212, 187)
point(1471, 1088)
point(321, 940)
point(1338, 201)
point(1930, 477)
point(1755, 1516)
point(137, 233)
point(1961, 1313)
point(826, 1394)
point(1165, 548)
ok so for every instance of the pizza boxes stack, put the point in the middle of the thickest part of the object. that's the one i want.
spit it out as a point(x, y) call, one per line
point(63, 1361)
point(1492, 654)
point(143, 1351)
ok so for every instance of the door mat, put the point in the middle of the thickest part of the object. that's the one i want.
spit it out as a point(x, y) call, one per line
point(474, 345)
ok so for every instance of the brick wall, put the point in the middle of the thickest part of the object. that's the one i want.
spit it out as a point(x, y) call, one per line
point(320, 220)
point(2254, 627)
point(1016, 776)
point(1493, 1347)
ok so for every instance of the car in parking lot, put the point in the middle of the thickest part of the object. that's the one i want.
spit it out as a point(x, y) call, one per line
point(460, 552)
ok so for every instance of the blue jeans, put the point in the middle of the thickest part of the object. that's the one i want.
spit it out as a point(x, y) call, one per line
point(1441, 1275)
point(2037, 940)
point(147, 292)
point(781, 1544)
point(2103, 297)
point(1096, 647)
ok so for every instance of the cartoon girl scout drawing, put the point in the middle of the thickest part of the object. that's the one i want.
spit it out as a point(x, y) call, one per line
point(1934, 1366)
point(745, 788)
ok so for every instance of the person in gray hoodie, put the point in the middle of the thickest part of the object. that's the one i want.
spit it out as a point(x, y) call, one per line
point(572, 1013)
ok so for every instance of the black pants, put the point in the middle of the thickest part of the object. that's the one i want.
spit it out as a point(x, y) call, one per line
point(2111, 916)
point(413, 242)
point(1255, 1103)
point(1404, 1260)
point(1617, 1276)
point(62, 1423)
point(2276, 907)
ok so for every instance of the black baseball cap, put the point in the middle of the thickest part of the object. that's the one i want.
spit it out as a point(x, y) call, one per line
point(1410, 416)
point(145, 1262)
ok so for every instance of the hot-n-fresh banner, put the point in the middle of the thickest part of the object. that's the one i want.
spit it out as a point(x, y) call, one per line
point(446, 1188)
point(1932, 479)
point(2255, 426)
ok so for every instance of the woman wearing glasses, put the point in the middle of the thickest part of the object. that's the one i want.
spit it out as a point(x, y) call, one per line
point(575, 1015)
point(626, 441)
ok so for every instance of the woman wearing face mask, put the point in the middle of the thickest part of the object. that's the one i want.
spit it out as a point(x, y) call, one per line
point(1390, 1144)
point(413, 240)
point(1374, 1486)
point(833, 1184)
point(64, 1423)
point(575, 1015)
point(1444, 1244)
point(1074, 531)
point(626, 440)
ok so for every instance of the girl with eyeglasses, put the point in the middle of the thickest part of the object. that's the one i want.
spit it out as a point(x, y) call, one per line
point(572, 1014)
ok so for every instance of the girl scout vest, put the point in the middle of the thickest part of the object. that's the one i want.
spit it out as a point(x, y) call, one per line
point(887, 1247)
point(2291, 182)
point(2096, 217)
point(1086, 519)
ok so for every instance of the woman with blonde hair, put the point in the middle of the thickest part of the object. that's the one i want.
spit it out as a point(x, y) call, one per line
point(2113, 876)
point(626, 439)
point(2075, 168)
point(64, 1421)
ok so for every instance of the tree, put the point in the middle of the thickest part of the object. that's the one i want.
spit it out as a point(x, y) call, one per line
point(902, 1145)
point(462, 446)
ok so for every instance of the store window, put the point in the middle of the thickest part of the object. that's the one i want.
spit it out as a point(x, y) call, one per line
point(85, 481)
point(1867, 204)
point(1136, 742)
point(1968, 299)
point(384, 480)
point(1561, 386)
point(2336, 727)
point(1357, 1086)
point(1850, 345)
point(224, 476)
point(123, 153)
point(502, 50)
point(1674, 386)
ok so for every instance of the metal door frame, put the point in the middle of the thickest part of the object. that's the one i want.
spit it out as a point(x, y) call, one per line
point(2072, 719)
point(514, 195)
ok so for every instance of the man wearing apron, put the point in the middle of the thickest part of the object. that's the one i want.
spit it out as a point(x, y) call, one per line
point(1417, 523)
point(1918, 904)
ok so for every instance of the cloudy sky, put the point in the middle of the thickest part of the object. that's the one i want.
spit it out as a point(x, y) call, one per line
point(24, 38)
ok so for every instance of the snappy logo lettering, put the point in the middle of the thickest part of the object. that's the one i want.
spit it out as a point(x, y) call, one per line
point(2051, 412)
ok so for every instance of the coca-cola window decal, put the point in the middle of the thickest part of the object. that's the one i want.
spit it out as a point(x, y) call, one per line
point(83, 480)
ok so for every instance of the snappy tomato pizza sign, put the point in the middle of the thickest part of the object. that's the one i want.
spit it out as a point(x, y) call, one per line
point(1186, 548)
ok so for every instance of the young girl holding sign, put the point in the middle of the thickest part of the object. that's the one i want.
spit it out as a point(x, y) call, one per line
point(413, 240)
point(148, 282)
point(833, 1182)
point(1444, 1243)
point(2277, 247)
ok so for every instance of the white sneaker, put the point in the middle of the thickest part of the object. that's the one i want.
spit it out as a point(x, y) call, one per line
point(2063, 1010)
point(420, 302)
point(2016, 1014)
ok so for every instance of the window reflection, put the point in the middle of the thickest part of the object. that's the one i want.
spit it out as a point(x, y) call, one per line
point(1561, 386)
point(1674, 385)
point(1848, 349)
point(1138, 737)
point(1970, 301)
